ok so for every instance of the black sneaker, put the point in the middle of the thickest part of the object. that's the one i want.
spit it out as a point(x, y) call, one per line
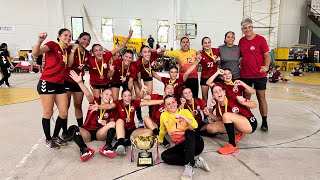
point(59, 141)
point(165, 143)
point(264, 127)
point(66, 137)
point(51, 144)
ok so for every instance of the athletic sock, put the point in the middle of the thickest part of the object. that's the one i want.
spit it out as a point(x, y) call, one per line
point(264, 120)
point(231, 134)
point(121, 141)
point(155, 131)
point(58, 126)
point(80, 122)
point(64, 125)
point(46, 128)
point(110, 135)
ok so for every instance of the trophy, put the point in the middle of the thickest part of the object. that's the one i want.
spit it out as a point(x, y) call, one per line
point(143, 143)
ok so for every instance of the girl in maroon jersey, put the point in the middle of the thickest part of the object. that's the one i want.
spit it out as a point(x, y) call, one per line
point(100, 68)
point(125, 125)
point(210, 61)
point(125, 72)
point(153, 121)
point(233, 88)
point(97, 126)
point(51, 85)
point(235, 114)
point(78, 58)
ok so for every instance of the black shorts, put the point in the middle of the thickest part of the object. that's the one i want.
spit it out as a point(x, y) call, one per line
point(102, 87)
point(253, 122)
point(73, 87)
point(124, 86)
point(45, 87)
point(200, 125)
point(258, 83)
point(148, 79)
point(39, 62)
point(93, 134)
point(129, 132)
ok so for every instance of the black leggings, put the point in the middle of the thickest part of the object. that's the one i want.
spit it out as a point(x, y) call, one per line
point(6, 76)
point(192, 146)
point(193, 84)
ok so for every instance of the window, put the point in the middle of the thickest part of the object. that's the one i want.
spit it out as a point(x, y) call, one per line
point(107, 29)
point(163, 31)
point(136, 26)
point(76, 27)
point(186, 29)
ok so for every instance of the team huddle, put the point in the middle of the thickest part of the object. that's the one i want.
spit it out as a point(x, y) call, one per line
point(177, 112)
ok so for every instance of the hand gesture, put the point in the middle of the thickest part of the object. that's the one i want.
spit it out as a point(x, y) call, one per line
point(42, 37)
point(217, 58)
point(103, 122)
point(238, 82)
point(130, 32)
point(178, 116)
point(111, 67)
point(93, 107)
point(144, 89)
point(212, 103)
point(75, 46)
point(199, 57)
point(206, 111)
point(183, 100)
point(241, 99)
point(220, 71)
point(77, 78)
point(263, 69)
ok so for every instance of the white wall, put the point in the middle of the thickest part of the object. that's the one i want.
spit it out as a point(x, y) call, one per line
point(292, 16)
point(214, 18)
point(30, 18)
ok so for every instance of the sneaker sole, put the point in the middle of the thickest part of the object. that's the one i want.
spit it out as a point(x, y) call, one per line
point(107, 155)
point(120, 151)
point(228, 152)
point(55, 148)
point(206, 166)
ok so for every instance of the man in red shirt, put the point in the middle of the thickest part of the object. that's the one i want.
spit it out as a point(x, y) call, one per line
point(254, 65)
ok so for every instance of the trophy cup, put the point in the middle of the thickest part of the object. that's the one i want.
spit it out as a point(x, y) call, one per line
point(143, 143)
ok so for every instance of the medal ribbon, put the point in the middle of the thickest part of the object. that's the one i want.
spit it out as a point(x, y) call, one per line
point(79, 57)
point(65, 54)
point(128, 112)
point(172, 82)
point(102, 113)
point(210, 54)
point(191, 110)
point(123, 70)
point(148, 70)
point(225, 107)
point(100, 71)
point(229, 83)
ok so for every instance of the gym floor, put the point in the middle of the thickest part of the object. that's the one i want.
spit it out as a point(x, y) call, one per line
point(290, 150)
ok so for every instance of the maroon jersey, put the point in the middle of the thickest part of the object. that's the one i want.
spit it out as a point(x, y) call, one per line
point(208, 66)
point(128, 73)
point(156, 109)
point(232, 91)
point(196, 108)
point(54, 67)
point(234, 107)
point(177, 85)
point(122, 112)
point(91, 122)
point(252, 52)
point(95, 77)
point(83, 59)
point(142, 67)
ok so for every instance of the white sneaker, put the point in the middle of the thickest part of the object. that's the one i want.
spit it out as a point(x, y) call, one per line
point(187, 173)
point(202, 164)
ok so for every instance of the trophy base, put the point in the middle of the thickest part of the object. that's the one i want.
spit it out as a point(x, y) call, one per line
point(145, 161)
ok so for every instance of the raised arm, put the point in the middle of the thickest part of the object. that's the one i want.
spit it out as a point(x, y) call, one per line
point(111, 71)
point(78, 79)
point(210, 82)
point(37, 50)
point(151, 102)
point(71, 56)
point(123, 44)
point(248, 88)
point(156, 75)
point(246, 102)
point(143, 93)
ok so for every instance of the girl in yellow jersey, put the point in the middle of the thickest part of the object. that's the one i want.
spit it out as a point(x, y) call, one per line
point(180, 124)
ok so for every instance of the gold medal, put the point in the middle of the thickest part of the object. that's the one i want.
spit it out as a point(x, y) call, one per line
point(225, 107)
point(64, 54)
point(101, 77)
point(148, 70)
point(100, 71)
point(81, 59)
point(128, 113)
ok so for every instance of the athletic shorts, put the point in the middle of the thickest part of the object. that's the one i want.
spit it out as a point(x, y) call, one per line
point(45, 87)
point(93, 134)
point(148, 79)
point(73, 87)
point(258, 83)
point(124, 86)
point(253, 122)
point(102, 87)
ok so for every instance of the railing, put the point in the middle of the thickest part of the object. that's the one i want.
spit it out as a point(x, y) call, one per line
point(311, 15)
